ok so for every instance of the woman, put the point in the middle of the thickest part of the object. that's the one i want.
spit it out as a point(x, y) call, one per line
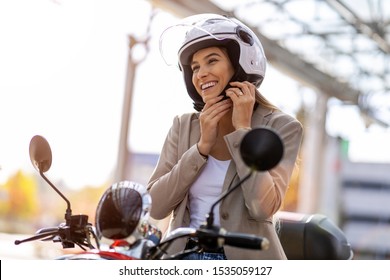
point(223, 63)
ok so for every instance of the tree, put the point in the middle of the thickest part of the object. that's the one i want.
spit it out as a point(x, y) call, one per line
point(21, 193)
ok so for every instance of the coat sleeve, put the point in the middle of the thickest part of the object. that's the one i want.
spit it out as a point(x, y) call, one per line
point(264, 191)
point(174, 173)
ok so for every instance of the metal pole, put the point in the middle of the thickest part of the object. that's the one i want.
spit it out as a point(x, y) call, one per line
point(123, 150)
point(313, 155)
point(123, 169)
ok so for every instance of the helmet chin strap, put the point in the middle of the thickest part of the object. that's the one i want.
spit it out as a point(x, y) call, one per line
point(239, 76)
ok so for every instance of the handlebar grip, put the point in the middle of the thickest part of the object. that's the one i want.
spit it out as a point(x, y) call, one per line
point(248, 241)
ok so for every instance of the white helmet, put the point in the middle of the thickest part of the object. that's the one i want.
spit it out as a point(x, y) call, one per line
point(205, 30)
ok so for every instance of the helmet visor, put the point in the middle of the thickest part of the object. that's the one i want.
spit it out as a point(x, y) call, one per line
point(180, 41)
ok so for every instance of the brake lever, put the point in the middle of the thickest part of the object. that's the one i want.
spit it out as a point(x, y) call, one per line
point(38, 236)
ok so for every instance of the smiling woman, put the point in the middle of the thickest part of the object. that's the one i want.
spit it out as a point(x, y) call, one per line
point(200, 158)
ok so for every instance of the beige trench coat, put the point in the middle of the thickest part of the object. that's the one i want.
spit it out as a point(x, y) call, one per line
point(250, 208)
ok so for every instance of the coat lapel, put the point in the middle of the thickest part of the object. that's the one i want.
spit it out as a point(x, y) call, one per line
point(261, 117)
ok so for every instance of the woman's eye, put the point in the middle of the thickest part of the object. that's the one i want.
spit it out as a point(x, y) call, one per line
point(212, 60)
point(195, 68)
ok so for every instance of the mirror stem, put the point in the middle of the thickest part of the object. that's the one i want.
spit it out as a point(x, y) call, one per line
point(68, 213)
point(210, 216)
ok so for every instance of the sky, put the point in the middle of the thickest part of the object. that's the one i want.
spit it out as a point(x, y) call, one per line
point(63, 70)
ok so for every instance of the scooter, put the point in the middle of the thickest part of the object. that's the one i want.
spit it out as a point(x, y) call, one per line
point(123, 230)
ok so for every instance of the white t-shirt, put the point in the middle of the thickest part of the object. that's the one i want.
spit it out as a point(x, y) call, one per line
point(206, 190)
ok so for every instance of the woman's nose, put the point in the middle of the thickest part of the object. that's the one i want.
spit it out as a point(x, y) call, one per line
point(202, 72)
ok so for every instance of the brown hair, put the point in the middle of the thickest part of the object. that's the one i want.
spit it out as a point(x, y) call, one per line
point(261, 100)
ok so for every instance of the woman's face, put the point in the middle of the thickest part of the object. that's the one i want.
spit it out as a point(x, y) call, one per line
point(211, 71)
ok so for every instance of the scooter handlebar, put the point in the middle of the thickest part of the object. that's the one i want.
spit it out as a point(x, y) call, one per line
point(247, 241)
point(215, 237)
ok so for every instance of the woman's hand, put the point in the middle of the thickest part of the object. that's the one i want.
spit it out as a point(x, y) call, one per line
point(211, 114)
point(242, 95)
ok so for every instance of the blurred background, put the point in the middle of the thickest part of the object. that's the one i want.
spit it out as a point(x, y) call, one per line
point(88, 76)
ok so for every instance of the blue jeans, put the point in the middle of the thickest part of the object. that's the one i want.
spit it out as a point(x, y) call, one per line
point(205, 256)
